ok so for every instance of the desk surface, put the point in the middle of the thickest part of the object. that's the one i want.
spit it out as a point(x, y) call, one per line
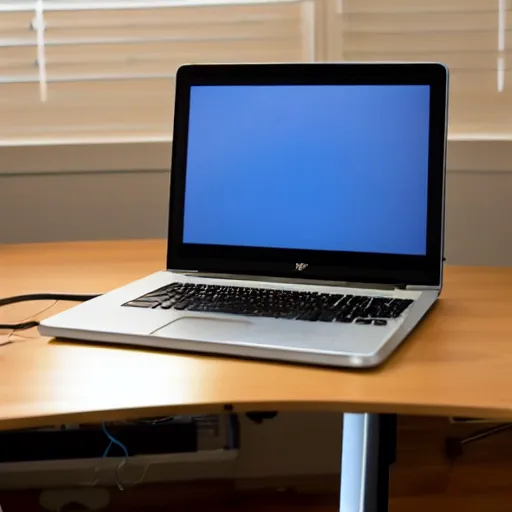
point(458, 362)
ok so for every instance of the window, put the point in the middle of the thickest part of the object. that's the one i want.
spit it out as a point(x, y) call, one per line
point(82, 78)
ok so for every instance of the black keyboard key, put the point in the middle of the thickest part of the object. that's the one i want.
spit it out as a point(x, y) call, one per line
point(380, 322)
point(399, 306)
point(332, 301)
point(157, 294)
point(198, 307)
point(310, 316)
point(180, 306)
point(327, 316)
point(360, 313)
point(365, 321)
point(141, 304)
point(287, 315)
point(151, 299)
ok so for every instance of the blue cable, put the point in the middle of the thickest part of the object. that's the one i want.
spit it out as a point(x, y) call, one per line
point(107, 449)
point(113, 440)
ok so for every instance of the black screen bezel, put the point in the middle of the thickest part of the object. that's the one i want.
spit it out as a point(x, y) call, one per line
point(323, 265)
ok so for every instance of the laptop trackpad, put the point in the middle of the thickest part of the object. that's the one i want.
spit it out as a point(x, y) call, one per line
point(213, 329)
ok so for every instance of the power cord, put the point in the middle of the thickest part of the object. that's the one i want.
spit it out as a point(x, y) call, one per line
point(72, 297)
point(36, 297)
point(22, 326)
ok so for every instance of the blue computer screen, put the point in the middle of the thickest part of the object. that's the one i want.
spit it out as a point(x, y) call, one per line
point(332, 168)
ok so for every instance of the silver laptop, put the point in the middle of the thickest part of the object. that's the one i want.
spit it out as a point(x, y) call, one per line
point(306, 217)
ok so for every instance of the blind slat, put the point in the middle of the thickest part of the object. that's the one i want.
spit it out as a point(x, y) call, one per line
point(15, 21)
point(418, 7)
point(7, 6)
point(409, 23)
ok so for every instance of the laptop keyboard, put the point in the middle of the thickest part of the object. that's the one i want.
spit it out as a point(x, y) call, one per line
point(265, 302)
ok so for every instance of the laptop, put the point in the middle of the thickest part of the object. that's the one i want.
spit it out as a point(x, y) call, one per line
point(306, 217)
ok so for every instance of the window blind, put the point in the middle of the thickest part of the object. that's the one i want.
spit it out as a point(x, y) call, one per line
point(101, 70)
point(471, 36)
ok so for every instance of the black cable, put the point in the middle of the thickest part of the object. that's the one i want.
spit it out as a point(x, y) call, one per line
point(71, 297)
point(40, 296)
point(20, 327)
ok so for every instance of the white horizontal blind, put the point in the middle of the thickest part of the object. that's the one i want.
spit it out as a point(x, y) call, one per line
point(98, 70)
point(471, 36)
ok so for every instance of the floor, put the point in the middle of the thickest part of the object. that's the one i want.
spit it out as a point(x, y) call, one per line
point(423, 479)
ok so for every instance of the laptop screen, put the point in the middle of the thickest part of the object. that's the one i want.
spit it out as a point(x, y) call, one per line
point(309, 167)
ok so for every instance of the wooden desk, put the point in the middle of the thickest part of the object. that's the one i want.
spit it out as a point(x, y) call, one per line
point(458, 362)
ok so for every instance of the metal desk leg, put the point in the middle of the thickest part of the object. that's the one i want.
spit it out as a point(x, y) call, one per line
point(368, 449)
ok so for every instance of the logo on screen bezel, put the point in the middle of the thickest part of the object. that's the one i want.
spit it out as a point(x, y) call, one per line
point(300, 267)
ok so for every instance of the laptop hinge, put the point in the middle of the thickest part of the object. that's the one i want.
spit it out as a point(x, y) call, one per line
point(420, 288)
point(284, 280)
